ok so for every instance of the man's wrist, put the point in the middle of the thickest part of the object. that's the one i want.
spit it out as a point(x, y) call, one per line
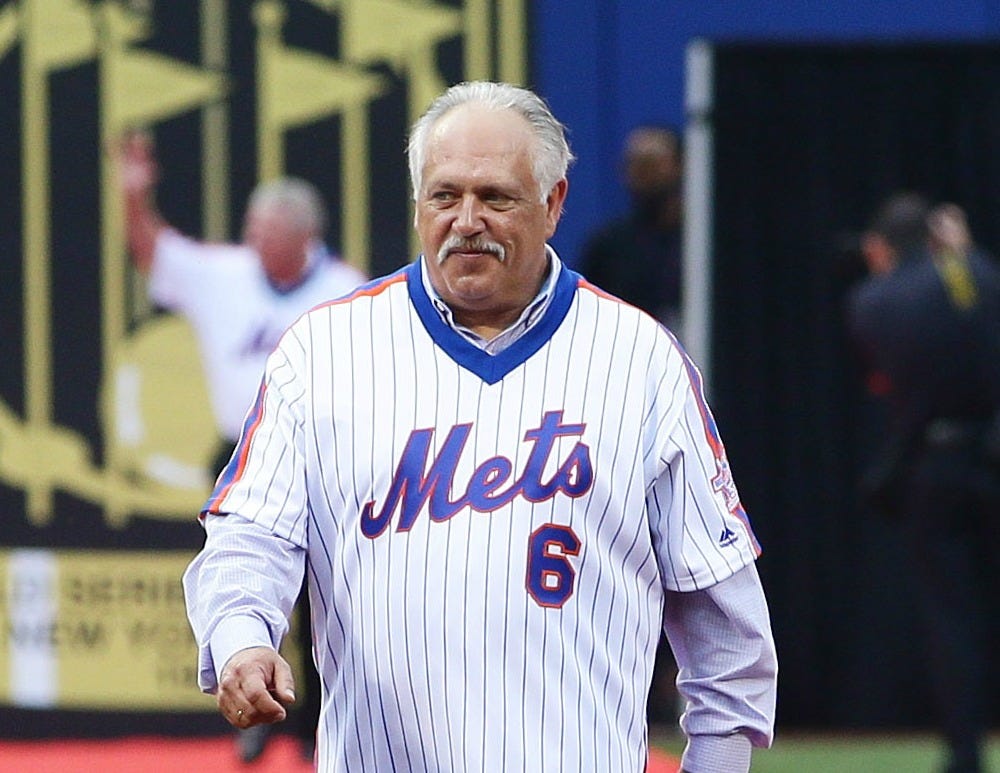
point(236, 633)
point(717, 754)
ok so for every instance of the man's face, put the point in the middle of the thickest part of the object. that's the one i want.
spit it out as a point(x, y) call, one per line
point(653, 172)
point(479, 217)
point(652, 163)
point(879, 255)
point(280, 243)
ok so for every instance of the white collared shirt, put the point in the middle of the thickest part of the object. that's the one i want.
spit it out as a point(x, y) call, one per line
point(533, 312)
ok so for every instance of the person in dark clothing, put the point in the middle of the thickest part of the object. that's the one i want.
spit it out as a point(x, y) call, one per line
point(638, 257)
point(927, 320)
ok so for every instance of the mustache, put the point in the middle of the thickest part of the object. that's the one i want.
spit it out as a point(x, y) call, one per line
point(478, 244)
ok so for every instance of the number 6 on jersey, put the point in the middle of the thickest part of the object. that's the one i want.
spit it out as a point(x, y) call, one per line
point(550, 573)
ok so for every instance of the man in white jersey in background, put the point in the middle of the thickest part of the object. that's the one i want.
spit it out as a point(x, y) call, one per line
point(505, 481)
point(239, 299)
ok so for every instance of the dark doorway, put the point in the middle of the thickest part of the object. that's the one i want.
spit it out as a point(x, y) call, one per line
point(807, 141)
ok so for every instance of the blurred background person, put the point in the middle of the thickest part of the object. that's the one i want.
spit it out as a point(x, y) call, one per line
point(239, 299)
point(927, 322)
point(637, 257)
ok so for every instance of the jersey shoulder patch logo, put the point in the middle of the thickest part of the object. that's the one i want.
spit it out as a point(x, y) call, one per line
point(724, 484)
point(727, 538)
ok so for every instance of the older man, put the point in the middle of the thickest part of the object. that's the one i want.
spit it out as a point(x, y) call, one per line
point(502, 482)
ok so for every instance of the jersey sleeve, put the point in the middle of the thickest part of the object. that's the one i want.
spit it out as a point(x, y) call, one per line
point(239, 591)
point(265, 479)
point(701, 532)
point(176, 261)
point(185, 272)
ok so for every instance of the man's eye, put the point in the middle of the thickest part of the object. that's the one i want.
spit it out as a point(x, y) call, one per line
point(498, 200)
point(443, 196)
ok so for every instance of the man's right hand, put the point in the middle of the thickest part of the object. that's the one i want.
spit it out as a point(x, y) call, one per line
point(137, 162)
point(138, 173)
point(255, 686)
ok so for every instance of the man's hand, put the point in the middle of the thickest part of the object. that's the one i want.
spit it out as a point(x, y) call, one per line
point(255, 686)
point(137, 163)
point(138, 173)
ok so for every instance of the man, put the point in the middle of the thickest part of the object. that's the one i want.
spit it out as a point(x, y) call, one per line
point(239, 299)
point(638, 257)
point(927, 321)
point(505, 482)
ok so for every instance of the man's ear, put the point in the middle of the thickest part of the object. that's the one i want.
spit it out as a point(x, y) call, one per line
point(554, 204)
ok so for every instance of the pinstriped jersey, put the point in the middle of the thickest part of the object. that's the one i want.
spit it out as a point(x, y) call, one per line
point(489, 537)
point(238, 316)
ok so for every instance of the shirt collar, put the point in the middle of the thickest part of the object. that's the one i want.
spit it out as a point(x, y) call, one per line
point(532, 313)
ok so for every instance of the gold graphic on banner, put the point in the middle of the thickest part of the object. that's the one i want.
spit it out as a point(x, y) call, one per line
point(403, 35)
point(138, 88)
point(296, 87)
point(157, 432)
point(97, 630)
point(8, 28)
point(55, 34)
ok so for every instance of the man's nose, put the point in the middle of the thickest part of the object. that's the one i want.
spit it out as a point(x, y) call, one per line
point(469, 219)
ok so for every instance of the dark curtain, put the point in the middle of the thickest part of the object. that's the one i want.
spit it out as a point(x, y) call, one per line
point(808, 141)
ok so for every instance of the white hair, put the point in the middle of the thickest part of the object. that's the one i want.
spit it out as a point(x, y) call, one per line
point(551, 155)
point(298, 199)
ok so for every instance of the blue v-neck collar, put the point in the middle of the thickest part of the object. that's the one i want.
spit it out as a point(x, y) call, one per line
point(492, 367)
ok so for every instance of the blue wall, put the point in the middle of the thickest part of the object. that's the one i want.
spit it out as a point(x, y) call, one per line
point(609, 64)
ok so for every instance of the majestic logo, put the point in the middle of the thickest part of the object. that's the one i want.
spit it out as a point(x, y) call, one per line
point(490, 486)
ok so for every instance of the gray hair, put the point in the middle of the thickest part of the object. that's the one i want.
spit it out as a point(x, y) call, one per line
point(551, 155)
point(299, 199)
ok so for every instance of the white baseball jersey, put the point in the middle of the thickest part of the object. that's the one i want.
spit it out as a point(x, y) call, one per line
point(489, 538)
point(237, 315)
